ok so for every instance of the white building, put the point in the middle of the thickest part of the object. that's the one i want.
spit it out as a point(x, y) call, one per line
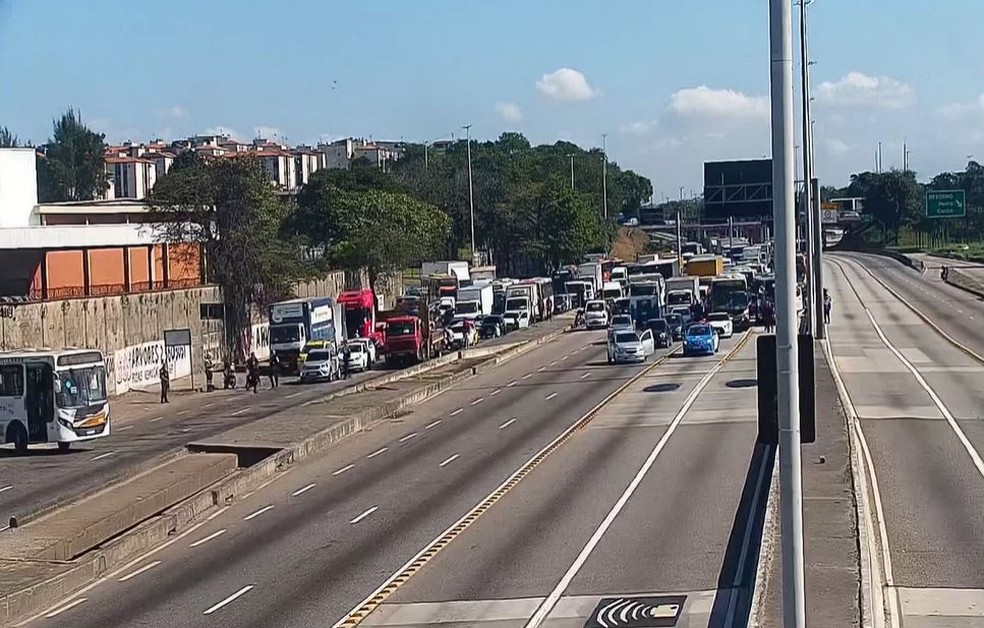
point(280, 167)
point(307, 162)
point(18, 187)
point(130, 177)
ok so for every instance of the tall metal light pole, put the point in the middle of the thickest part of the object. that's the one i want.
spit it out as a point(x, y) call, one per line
point(816, 236)
point(604, 172)
point(471, 197)
point(808, 223)
point(787, 355)
point(571, 155)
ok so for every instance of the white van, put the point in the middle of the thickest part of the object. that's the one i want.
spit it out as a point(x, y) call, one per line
point(595, 315)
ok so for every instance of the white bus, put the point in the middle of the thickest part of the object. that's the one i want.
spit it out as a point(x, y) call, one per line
point(52, 396)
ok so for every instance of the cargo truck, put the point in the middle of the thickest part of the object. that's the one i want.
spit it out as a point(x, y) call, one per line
point(592, 272)
point(414, 332)
point(293, 323)
point(474, 302)
point(705, 266)
point(360, 315)
point(456, 269)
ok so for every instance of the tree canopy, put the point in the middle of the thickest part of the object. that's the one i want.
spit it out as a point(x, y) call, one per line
point(72, 166)
point(8, 139)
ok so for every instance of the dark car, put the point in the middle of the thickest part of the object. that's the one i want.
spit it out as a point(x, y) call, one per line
point(492, 327)
point(661, 331)
point(675, 322)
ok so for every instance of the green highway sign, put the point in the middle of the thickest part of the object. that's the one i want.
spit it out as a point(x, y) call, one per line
point(946, 204)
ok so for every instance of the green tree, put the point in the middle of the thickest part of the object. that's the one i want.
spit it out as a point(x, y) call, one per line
point(229, 207)
point(379, 231)
point(72, 165)
point(8, 139)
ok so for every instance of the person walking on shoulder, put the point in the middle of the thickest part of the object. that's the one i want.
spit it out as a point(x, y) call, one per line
point(827, 304)
point(165, 382)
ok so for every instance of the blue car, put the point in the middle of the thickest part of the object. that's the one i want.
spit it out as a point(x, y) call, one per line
point(700, 339)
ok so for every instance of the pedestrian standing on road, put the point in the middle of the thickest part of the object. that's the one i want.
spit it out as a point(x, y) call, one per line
point(252, 372)
point(346, 362)
point(165, 382)
point(274, 370)
point(827, 304)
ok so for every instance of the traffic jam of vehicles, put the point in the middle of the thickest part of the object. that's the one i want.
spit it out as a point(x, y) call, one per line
point(696, 299)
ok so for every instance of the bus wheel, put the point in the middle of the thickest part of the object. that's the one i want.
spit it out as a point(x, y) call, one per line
point(17, 435)
point(64, 446)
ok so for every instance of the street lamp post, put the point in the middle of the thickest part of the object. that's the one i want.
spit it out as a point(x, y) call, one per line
point(471, 196)
point(787, 353)
point(604, 173)
point(571, 155)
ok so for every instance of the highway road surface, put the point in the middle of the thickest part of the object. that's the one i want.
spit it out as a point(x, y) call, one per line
point(919, 397)
point(505, 501)
point(143, 432)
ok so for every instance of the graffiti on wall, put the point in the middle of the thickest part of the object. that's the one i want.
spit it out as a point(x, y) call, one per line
point(256, 340)
point(137, 367)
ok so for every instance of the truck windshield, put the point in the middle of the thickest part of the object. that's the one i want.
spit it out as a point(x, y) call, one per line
point(81, 387)
point(513, 305)
point(356, 317)
point(400, 328)
point(678, 298)
point(466, 307)
point(282, 334)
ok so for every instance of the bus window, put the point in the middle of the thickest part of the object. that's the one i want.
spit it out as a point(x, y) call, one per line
point(82, 387)
point(11, 380)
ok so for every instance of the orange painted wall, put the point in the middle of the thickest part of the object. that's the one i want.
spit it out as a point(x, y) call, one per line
point(106, 267)
point(158, 262)
point(65, 270)
point(139, 265)
point(183, 262)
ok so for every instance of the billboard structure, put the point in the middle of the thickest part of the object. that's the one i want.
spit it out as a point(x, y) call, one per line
point(738, 189)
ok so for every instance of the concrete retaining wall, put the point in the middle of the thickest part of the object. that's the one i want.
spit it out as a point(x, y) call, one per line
point(122, 326)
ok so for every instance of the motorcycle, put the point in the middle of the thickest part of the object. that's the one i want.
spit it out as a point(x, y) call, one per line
point(252, 380)
point(228, 379)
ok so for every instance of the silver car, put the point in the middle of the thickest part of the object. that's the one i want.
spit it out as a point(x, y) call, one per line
point(320, 365)
point(630, 346)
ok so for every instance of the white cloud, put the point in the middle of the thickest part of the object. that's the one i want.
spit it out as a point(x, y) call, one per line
point(860, 90)
point(720, 103)
point(962, 111)
point(268, 132)
point(837, 147)
point(114, 133)
point(222, 130)
point(638, 128)
point(174, 112)
point(509, 111)
point(567, 85)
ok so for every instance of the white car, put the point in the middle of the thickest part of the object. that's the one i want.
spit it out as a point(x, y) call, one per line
point(721, 323)
point(629, 346)
point(320, 365)
point(516, 319)
point(370, 347)
point(358, 356)
point(595, 314)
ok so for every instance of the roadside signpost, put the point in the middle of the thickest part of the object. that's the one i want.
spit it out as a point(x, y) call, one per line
point(946, 204)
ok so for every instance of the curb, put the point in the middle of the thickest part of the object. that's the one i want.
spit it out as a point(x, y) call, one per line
point(116, 553)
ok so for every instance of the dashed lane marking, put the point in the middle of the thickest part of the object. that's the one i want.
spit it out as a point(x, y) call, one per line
point(495, 392)
point(449, 460)
point(457, 412)
point(507, 423)
point(241, 411)
point(105, 455)
point(258, 513)
point(60, 610)
point(302, 490)
point(377, 452)
point(229, 600)
point(478, 401)
point(217, 513)
point(136, 573)
point(550, 396)
point(124, 428)
point(364, 515)
point(408, 437)
point(511, 384)
point(432, 424)
point(586, 375)
point(208, 538)
point(4, 489)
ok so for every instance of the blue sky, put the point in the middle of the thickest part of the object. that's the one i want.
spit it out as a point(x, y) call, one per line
point(672, 83)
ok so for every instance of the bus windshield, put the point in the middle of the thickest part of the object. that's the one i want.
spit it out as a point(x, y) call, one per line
point(81, 387)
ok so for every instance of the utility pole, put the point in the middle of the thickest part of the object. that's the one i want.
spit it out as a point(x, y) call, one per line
point(879, 157)
point(571, 155)
point(787, 354)
point(471, 197)
point(425, 156)
point(604, 172)
point(808, 223)
point(679, 236)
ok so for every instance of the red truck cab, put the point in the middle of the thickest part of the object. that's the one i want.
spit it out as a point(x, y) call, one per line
point(360, 315)
point(404, 339)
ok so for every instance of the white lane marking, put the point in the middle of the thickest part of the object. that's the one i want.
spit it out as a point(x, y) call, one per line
point(302, 490)
point(4, 489)
point(511, 384)
point(59, 611)
point(586, 375)
point(156, 419)
point(408, 437)
point(550, 396)
point(208, 538)
point(554, 363)
point(136, 573)
point(449, 460)
point(507, 423)
point(217, 513)
point(432, 424)
point(495, 392)
point(344, 469)
point(292, 395)
point(124, 428)
point(457, 412)
point(527, 376)
point(478, 401)
point(364, 515)
point(105, 455)
point(541, 369)
point(183, 412)
point(746, 543)
point(258, 512)
point(565, 357)
point(377, 452)
point(240, 411)
point(230, 599)
point(551, 600)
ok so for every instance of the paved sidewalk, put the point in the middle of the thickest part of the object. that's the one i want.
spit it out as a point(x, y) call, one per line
point(833, 571)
